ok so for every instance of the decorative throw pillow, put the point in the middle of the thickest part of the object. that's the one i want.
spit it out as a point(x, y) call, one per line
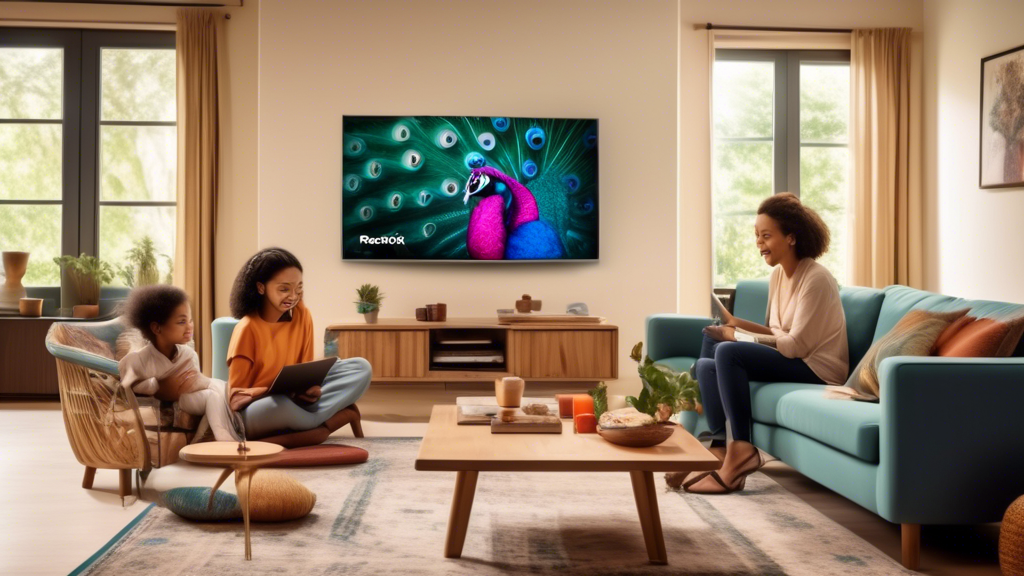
point(320, 455)
point(914, 335)
point(981, 337)
point(274, 496)
point(190, 503)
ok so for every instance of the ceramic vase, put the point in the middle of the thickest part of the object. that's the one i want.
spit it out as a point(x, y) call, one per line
point(371, 317)
point(11, 292)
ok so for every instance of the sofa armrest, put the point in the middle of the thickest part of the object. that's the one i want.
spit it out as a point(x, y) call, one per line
point(671, 335)
point(951, 439)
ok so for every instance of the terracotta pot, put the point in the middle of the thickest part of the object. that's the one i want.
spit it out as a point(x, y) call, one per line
point(31, 307)
point(11, 291)
point(86, 311)
point(371, 317)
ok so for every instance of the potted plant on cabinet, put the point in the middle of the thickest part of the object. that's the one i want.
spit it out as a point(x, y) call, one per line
point(141, 268)
point(369, 301)
point(87, 275)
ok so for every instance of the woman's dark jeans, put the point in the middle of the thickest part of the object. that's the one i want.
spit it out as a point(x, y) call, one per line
point(724, 371)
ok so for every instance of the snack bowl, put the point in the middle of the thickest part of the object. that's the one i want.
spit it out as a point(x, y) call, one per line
point(639, 436)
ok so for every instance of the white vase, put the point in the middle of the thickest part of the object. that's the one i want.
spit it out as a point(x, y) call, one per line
point(11, 291)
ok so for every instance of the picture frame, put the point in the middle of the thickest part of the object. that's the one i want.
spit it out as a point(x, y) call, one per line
point(1001, 120)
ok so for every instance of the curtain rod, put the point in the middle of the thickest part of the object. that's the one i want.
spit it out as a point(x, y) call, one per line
point(710, 26)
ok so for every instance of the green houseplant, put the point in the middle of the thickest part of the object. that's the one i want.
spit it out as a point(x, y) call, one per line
point(87, 274)
point(369, 301)
point(141, 268)
point(665, 391)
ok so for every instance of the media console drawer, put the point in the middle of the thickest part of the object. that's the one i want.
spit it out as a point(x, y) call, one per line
point(566, 354)
point(392, 353)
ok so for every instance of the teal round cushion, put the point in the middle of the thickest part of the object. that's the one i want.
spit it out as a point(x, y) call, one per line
point(190, 503)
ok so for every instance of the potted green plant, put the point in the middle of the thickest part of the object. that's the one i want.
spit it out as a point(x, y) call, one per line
point(87, 274)
point(141, 269)
point(665, 391)
point(369, 301)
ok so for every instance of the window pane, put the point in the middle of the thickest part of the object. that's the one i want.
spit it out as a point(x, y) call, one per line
point(744, 98)
point(30, 161)
point(138, 163)
point(137, 84)
point(743, 178)
point(823, 187)
point(824, 103)
point(33, 229)
point(33, 83)
point(122, 226)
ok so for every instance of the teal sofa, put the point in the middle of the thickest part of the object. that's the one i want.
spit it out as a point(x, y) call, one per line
point(944, 446)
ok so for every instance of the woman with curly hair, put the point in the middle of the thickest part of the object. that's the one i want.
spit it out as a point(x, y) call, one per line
point(804, 339)
point(276, 330)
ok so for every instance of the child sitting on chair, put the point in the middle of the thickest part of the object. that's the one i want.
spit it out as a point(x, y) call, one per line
point(167, 367)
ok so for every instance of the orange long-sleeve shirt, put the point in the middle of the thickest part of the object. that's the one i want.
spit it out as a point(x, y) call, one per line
point(259, 349)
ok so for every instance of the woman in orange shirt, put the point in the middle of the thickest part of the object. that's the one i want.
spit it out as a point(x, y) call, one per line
point(276, 330)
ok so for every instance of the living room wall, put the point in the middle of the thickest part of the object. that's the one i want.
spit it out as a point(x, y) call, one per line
point(615, 61)
point(978, 246)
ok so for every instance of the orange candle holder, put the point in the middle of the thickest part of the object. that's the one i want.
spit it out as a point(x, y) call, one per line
point(585, 423)
point(582, 404)
point(564, 405)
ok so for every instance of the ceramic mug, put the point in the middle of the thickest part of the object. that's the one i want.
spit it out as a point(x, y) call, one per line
point(509, 391)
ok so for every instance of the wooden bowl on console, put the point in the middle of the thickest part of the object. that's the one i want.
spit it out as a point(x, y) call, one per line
point(640, 436)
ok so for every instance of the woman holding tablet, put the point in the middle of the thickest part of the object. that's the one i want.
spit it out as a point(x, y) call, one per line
point(275, 330)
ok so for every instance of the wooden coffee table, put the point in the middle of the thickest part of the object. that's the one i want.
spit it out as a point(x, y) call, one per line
point(469, 450)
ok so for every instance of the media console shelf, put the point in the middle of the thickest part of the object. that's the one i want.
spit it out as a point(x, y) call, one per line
point(479, 350)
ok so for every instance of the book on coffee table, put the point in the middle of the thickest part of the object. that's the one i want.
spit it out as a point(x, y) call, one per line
point(480, 410)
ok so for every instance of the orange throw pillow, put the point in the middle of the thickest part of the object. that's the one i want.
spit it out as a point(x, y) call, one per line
point(981, 337)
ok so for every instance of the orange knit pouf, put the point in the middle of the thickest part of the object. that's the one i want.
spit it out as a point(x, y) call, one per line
point(1011, 540)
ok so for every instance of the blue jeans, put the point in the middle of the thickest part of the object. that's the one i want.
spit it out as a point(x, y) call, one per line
point(724, 371)
point(345, 383)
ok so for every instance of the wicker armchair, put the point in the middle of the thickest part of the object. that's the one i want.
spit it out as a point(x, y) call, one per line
point(108, 426)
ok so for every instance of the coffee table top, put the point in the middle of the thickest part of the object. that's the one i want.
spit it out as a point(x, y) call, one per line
point(449, 447)
point(226, 453)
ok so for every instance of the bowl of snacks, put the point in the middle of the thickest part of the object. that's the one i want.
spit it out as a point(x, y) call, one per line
point(630, 427)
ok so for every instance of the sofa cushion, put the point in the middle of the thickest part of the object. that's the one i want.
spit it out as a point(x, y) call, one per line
point(751, 300)
point(861, 307)
point(678, 363)
point(900, 299)
point(851, 427)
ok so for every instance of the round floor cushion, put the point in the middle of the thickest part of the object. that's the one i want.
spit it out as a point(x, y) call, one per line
point(190, 503)
point(321, 455)
point(274, 496)
point(1011, 540)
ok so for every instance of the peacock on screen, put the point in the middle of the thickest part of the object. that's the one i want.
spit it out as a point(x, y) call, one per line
point(469, 188)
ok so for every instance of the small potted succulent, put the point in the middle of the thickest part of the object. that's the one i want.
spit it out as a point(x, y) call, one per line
point(369, 301)
point(87, 275)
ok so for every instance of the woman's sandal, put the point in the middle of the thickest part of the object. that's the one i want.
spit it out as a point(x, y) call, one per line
point(737, 484)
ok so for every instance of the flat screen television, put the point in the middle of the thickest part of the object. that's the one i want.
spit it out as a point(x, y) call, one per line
point(469, 188)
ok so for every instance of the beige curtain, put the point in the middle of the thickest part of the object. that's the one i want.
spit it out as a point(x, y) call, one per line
point(197, 167)
point(885, 224)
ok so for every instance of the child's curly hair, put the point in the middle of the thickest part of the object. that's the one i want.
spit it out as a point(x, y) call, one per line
point(812, 235)
point(148, 304)
point(245, 297)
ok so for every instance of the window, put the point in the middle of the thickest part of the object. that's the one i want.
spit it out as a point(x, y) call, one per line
point(781, 124)
point(88, 146)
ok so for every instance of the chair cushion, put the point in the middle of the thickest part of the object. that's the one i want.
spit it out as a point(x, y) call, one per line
point(851, 427)
point(321, 455)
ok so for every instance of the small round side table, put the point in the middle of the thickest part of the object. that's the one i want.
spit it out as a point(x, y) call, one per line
point(237, 459)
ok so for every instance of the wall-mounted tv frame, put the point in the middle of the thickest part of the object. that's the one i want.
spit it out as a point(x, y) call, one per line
point(469, 189)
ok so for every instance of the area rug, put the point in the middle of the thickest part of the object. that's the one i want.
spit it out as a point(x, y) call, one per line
point(384, 517)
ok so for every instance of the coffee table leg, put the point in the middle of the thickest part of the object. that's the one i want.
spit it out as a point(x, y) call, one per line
point(650, 519)
point(462, 505)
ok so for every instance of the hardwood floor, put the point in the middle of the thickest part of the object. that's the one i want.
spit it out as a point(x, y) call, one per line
point(43, 501)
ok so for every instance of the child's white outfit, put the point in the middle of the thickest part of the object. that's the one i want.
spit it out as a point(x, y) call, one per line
point(148, 371)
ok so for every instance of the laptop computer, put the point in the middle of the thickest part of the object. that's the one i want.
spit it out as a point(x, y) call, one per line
point(300, 377)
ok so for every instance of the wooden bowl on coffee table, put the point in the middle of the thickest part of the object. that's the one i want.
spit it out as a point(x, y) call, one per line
point(639, 436)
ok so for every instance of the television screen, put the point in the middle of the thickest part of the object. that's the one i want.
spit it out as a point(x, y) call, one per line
point(469, 188)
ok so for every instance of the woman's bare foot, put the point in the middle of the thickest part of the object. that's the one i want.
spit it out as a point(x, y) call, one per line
point(676, 479)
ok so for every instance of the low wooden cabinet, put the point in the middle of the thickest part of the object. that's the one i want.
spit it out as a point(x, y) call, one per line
point(401, 350)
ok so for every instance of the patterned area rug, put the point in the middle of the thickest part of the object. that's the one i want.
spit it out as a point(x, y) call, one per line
point(384, 517)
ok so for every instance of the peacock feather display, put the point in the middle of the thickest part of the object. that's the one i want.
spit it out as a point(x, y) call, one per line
point(469, 188)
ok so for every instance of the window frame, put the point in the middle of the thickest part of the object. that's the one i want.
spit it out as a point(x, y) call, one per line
point(81, 122)
point(785, 138)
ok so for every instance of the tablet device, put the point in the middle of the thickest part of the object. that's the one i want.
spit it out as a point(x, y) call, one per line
point(299, 377)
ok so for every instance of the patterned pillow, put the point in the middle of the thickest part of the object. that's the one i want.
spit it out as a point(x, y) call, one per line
point(914, 335)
